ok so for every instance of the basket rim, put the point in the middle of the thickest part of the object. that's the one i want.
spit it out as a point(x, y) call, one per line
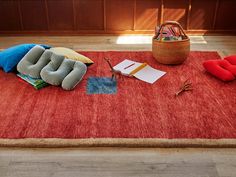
point(184, 40)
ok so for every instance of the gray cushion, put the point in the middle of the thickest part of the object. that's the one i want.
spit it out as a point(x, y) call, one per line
point(75, 76)
point(53, 69)
point(34, 61)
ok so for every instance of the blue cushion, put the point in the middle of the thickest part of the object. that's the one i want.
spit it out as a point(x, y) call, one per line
point(10, 57)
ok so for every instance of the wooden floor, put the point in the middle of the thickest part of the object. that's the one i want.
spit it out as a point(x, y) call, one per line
point(225, 45)
point(122, 162)
point(117, 162)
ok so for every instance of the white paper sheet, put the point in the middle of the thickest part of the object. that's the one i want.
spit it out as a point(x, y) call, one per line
point(146, 74)
point(149, 74)
point(122, 67)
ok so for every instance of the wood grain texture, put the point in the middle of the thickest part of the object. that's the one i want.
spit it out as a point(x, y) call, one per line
point(60, 15)
point(225, 45)
point(119, 14)
point(176, 11)
point(104, 162)
point(33, 15)
point(89, 14)
point(226, 15)
point(147, 14)
point(9, 16)
point(202, 14)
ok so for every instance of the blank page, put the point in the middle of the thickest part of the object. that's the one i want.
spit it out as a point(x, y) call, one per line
point(149, 74)
point(122, 67)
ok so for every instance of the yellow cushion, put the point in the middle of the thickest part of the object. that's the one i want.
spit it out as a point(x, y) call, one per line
point(71, 54)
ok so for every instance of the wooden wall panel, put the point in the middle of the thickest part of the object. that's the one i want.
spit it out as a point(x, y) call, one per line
point(9, 15)
point(202, 14)
point(67, 17)
point(176, 10)
point(119, 14)
point(226, 15)
point(147, 14)
point(90, 14)
point(33, 15)
point(60, 14)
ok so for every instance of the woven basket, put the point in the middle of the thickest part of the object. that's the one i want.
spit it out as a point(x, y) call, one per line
point(170, 52)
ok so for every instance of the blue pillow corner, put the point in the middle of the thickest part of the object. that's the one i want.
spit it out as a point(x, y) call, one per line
point(9, 58)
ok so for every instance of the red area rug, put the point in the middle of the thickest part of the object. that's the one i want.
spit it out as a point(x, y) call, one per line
point(140, 114)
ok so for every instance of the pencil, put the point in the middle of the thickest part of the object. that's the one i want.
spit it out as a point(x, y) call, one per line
point(129, 66)
point(138, 69)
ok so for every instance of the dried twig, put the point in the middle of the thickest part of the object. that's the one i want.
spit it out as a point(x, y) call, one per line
point(186, 86)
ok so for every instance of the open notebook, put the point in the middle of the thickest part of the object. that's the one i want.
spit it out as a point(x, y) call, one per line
point(141, 71)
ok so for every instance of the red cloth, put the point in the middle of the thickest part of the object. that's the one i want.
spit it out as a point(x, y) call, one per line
point(231, 59)
point(223, 69)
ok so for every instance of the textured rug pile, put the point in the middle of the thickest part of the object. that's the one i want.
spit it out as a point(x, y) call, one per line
point(138, 114)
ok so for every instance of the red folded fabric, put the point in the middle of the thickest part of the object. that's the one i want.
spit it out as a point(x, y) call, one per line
point(220, 69)
point(231, 59)
point(223, 69)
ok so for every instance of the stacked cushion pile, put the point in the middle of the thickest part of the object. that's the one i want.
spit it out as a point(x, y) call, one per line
point(52, 68)
point(10, 58)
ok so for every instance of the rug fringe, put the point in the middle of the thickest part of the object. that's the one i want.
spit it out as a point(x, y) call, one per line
point(118, 142)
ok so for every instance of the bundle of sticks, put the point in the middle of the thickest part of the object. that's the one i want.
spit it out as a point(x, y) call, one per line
point(186, 86)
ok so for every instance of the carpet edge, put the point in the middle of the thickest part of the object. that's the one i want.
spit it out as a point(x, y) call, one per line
point(118, 142)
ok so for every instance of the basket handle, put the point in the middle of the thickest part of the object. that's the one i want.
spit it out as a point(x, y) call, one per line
point(173, 23)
